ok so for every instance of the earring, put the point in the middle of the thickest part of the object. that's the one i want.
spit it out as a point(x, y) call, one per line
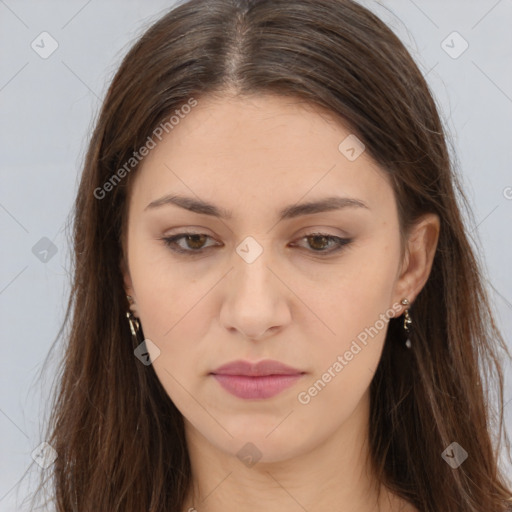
point(407, 323)
point(132, 320)
point(134, 323)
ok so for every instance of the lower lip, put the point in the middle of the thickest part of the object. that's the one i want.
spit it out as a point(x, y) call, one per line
point(256, 387)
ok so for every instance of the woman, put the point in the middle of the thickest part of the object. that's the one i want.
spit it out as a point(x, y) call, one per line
point(275, 304)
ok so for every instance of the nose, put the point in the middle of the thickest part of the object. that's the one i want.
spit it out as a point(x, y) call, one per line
point(256, 301)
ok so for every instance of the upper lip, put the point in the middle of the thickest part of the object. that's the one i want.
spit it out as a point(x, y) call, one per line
point(265, 367)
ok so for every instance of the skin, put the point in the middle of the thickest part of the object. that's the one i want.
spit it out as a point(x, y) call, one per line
point(254, 156)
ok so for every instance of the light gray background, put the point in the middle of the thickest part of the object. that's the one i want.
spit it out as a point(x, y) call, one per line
point(47, 111)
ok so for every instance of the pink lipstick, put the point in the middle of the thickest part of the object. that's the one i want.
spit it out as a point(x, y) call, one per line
point(264, 379)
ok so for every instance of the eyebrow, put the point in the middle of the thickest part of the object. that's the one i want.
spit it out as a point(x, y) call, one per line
point(289, 212)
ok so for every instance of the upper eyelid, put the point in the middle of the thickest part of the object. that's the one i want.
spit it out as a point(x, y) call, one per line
point(310, 231)
point(183, 234)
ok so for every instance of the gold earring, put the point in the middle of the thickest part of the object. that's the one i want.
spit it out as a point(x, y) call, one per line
point(132, 320)
point(134, 323)
point(407, 323)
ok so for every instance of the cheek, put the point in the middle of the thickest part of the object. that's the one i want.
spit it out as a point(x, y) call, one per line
point(359, 291)
point(344, 368)
point(165, 290)
point(173, 302)
point(358, 309)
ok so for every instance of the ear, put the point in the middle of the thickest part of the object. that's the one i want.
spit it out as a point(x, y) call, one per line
point(128, 286)
point(419, 254)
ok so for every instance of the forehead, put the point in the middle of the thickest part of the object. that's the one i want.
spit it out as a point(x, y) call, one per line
point(259, 150)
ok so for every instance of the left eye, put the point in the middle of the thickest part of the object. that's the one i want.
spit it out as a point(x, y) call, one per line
point(195, 238)
point(323, 239)
point(195, 242)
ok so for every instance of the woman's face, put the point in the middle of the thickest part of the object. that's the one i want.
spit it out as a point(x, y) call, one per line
point(256, 285)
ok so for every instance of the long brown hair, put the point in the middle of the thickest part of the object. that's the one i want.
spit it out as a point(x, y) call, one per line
point(119, 437)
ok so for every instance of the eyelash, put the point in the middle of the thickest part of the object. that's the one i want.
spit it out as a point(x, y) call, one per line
point(170, 242)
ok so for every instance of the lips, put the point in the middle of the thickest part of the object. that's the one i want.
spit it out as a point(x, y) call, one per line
point(261, 368)
point(261, 380)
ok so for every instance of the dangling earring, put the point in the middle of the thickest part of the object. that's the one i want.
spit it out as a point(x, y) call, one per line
point(132, 320)
point(407, 323)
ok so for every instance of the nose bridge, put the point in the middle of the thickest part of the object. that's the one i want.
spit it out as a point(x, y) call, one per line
point(254, 300)
point(253, 257)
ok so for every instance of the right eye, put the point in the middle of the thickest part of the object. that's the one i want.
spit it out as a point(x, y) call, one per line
point(194, 242)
